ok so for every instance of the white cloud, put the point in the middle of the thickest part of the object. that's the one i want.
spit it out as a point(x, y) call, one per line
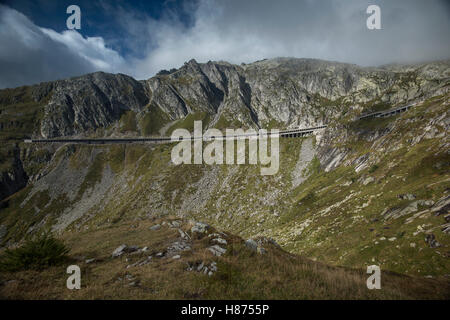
point(233, 30)
point(92, 49)
point(30, 54)
point(244, 31)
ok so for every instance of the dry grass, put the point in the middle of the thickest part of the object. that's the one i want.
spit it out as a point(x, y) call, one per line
point(242, 273)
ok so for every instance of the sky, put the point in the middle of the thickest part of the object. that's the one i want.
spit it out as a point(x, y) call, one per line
point(140, 38)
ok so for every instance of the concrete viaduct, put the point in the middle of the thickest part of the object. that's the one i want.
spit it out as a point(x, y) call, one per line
point(385, 113)
point(290, 133)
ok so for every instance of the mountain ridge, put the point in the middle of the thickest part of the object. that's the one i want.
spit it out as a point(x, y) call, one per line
point(229, 94)
point(357, 193)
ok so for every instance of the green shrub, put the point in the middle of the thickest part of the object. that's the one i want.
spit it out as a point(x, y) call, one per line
point(37, 253)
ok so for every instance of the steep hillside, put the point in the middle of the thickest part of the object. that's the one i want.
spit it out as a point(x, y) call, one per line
point(277, 93)
point(180, 259)
point(365, 192)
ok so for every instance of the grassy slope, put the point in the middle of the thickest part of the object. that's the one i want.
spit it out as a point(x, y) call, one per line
point(19, 117)
point(347, 235)
point(188, 122)
point(350, 233)
point(274, 275)
point(153, 120)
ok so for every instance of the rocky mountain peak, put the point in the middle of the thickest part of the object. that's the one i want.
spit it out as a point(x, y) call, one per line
point(285, 92)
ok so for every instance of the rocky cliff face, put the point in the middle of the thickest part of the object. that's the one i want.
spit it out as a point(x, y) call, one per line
point(89, 102)
point(13, 177)
point(279, 92)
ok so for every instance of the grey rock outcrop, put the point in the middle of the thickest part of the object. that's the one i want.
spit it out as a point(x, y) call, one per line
point(122, 249)
point(119, 251)
point(430, 239)
point(286, 91)
point(200, 227)
point(13, 179)
point(89, 102)
point(217, 250)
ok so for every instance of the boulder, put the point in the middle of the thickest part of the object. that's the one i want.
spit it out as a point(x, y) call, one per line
point(446, 228)
point(220, 241)
point(407, 196)
point(119, 250)
point(179, 246)
point(442, 206)
point(395, 213)
point(183, 234)
point(368, 180)
point(430, 239)
point(124, 249)
point(155, 227)
point(175, 224)
point(251, 244)
point(217, 250)
point(200, 227)
point(426, 203)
